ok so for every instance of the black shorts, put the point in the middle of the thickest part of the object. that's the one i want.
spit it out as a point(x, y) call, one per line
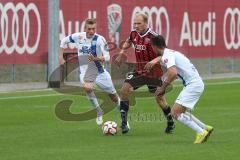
point(136, 81)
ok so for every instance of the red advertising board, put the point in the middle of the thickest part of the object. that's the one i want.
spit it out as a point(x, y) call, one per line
point(200, 29)
point(23, 32)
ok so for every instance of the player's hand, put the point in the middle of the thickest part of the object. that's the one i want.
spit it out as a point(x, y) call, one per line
point(148, 67)
point(91, 58)
point(62, 61)
point(118, 61)
point(160, 91)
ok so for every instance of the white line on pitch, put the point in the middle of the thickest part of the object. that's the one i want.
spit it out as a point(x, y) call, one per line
point(57, 94)
point(36, 96)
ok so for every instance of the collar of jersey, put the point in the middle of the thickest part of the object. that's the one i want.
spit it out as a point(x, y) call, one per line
point(144, 33)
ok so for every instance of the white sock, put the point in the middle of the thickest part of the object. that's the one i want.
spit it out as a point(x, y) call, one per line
point(185, 119)
point(93, 100)
point(99, 111)
point(195, 119)
point(118, 104)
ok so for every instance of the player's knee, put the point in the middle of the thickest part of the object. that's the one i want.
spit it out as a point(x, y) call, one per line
point(125, 90)
point(88, 89)
point(114, 97)
point(174, 113)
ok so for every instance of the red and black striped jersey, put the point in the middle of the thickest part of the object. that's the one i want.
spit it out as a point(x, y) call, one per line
point(144, 52)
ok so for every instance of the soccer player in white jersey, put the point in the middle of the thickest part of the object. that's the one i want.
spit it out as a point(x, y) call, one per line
point(92, 53)
point(179, 66)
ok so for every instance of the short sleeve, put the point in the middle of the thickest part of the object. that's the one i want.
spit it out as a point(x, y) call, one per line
point(168, 60)
point(73, 37)
point(103, 46)
point(102, 43)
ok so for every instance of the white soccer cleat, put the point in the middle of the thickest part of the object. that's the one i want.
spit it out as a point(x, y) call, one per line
point(99, 120)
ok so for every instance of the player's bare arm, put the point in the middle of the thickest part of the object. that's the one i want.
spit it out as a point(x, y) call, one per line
point(123, 53)
point(63, 45)
point(148, 67)
point(169, 78)
point(61, 59)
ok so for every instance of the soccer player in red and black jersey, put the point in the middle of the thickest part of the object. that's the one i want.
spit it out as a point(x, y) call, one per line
point(140, 39)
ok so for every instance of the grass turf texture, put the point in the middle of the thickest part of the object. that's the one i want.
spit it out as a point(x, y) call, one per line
point(30, 130)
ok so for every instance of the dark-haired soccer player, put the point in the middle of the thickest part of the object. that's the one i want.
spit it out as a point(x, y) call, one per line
point(180, 66)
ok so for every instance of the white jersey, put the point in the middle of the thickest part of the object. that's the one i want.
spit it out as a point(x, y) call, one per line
point(91, 71)
point(185, 69)
point(96, 46)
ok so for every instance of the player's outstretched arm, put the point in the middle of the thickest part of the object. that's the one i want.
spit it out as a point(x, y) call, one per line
point(63, 45)
point(169, 78)
point(61, 59)
point(123, 53)
point(148, 67)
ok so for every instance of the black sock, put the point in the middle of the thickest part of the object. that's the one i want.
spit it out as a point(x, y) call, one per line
point(124, 106)
point(167, 113)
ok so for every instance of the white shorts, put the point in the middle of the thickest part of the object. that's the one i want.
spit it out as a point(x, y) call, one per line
point(190, 94)
point(103, 81)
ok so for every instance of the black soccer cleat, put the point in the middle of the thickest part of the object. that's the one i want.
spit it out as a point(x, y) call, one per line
point(170, 127)
point(125, 129)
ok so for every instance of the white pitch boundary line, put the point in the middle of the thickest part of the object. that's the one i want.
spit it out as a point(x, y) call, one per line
point(210, 83)
point(213, 83)
point(28, 90)
point(57, 94)
point(36, 96)
point(219, 83)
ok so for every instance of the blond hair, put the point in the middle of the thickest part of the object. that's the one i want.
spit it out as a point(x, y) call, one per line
point(144, 15)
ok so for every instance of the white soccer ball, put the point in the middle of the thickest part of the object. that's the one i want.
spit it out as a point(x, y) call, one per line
point(109, 128)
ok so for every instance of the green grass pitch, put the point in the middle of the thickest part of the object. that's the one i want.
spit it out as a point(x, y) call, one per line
point(30, 130)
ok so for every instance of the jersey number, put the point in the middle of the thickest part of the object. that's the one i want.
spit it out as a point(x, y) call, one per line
point(130, 76)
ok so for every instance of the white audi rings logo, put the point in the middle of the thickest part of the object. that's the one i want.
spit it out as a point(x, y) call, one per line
point(234, 27)
point(155, 13)
point(10, 42)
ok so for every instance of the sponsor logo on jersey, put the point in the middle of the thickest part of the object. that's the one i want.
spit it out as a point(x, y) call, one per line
point(140, 47)
point(165, 61)
point(85, 50)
